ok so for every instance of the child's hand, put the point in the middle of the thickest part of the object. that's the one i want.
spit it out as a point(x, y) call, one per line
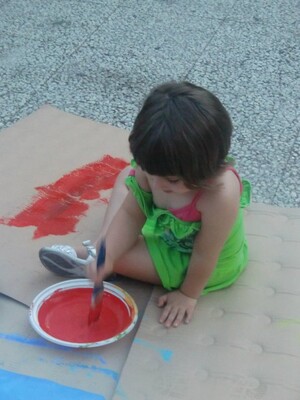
point(177, 308)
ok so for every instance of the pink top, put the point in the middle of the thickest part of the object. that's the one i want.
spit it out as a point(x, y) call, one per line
point(189, 213)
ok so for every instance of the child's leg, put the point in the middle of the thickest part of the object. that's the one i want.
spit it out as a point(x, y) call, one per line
point(137, 264)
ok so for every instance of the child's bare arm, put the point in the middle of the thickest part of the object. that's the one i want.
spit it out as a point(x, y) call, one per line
point(125, 228)
point(121, 235)
point(218, 216)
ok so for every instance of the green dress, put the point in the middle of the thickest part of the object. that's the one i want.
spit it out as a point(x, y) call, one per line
point(170, 242)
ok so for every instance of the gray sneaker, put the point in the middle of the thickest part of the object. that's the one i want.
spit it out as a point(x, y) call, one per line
point(63, 260)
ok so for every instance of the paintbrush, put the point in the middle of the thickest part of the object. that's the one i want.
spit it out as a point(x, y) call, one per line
point(98, 290)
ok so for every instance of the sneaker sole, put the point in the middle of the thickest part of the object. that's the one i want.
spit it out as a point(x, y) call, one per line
point(60, 265)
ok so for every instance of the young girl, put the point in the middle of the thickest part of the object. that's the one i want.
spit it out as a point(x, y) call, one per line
point(175, 216)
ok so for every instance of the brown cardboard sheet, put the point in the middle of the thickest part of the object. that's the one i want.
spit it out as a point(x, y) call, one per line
point(244, 341)
point(37, 152)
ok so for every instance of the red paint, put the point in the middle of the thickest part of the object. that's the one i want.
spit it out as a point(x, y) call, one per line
point(64, 316)
point(59, 206)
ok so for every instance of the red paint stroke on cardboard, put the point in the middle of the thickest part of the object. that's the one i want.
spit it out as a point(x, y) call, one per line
point(59, 206)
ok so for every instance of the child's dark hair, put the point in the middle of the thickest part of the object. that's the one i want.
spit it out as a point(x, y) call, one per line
point(182, 130)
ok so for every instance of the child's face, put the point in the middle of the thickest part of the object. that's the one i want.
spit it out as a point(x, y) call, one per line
point(168, 184)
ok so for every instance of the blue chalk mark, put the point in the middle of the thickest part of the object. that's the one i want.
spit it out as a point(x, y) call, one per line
point(98, 358)
point(39, 342)
point(92, 368)
point(15, 386)
point(22, 339)
point(166, 354)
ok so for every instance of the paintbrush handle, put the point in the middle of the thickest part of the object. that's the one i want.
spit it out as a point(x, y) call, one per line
point(102, 254)
point(99, 287)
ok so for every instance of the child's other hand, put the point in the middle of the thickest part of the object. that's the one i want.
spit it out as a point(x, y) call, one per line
point(178, 308)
